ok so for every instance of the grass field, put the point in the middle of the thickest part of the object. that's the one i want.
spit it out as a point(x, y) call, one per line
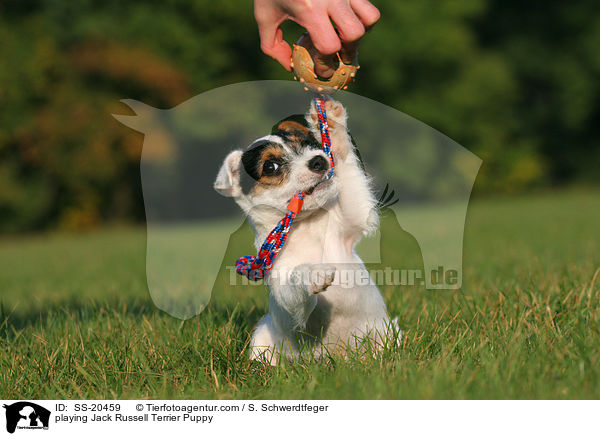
point(77, 322)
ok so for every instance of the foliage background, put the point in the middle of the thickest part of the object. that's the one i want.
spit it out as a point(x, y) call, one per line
point(514, 82)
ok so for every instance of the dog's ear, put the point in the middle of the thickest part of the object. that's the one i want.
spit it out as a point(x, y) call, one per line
point(228, 178)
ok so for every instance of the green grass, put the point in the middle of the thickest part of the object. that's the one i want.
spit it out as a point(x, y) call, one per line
point(77, 321)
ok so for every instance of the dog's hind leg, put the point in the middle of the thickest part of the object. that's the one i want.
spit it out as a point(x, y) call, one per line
point(267, 342)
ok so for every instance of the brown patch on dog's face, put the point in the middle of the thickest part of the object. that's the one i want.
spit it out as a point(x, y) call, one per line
point(293, 130)
point(265, 162)
point(296, 135)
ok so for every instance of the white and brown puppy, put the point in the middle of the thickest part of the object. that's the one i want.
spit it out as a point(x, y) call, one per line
point(309, 303)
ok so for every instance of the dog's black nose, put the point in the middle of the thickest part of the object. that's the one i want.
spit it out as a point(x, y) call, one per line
point(318, 164)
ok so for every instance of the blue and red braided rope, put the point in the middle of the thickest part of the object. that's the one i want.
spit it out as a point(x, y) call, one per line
point(256, 267)
point(324, 130)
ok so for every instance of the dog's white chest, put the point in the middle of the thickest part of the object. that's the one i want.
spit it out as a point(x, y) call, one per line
point(317, 240)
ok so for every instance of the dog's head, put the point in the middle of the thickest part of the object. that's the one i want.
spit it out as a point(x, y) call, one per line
point(289, 160)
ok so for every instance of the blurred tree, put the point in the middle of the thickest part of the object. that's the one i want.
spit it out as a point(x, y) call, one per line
point(516, 83)
point(552, 50)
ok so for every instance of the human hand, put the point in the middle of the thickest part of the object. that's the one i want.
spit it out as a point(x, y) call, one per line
point(351, 17)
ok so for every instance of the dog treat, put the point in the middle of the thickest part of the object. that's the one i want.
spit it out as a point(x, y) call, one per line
point(304, 69)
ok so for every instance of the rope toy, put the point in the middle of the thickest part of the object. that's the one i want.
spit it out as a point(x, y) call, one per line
point(256, 267)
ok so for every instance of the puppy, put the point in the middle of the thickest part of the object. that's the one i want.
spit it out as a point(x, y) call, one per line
point(311, 307)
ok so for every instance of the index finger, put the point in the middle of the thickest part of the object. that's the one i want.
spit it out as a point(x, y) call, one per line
point(323, 35)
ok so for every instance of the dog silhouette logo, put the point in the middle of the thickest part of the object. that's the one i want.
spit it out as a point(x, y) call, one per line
point(190, 226)
point(26, 415)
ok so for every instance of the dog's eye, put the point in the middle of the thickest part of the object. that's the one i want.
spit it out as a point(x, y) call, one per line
point(270, 167)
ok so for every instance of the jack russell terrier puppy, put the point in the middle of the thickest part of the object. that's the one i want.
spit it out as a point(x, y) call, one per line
point(310, 307)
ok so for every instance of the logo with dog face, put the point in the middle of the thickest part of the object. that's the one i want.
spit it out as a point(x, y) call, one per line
point(26, 415)
point(195, 235)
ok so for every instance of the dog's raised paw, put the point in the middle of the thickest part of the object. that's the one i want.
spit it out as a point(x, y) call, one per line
point(336, 114)
point(335, 110)
point(314, 278)
point(322, 276)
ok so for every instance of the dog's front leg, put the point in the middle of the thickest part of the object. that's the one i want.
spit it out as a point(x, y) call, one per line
point(357, 203)
point(293, 296)
point(355, 198)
